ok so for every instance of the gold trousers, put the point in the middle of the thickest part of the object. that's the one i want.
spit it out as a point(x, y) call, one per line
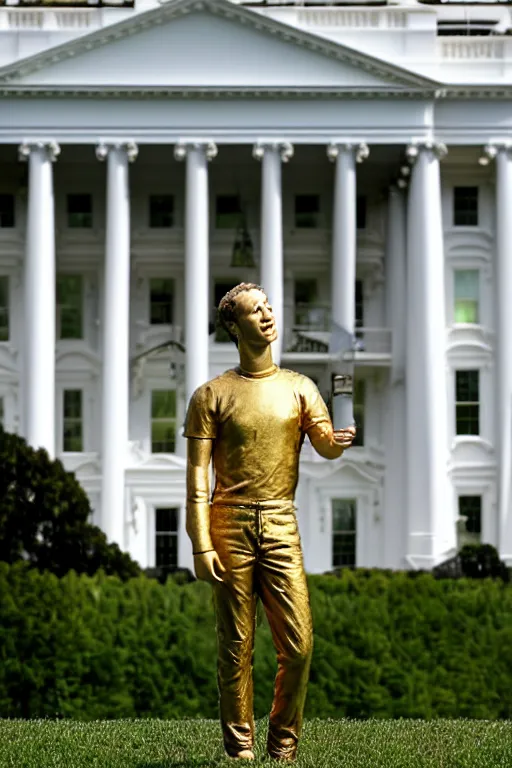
point(260, 548)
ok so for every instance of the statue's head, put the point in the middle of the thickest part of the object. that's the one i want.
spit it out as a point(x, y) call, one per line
point(246, 314)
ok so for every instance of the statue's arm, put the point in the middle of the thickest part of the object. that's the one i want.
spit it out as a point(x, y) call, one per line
point(329, 442)
point(206, 562)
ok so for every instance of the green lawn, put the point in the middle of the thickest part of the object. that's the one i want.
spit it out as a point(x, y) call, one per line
point(185, 744)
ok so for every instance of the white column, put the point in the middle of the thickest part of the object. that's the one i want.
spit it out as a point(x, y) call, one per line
point(395, 528)
point(197, 293)
point(503, 153)
point(431, 529)
point(115, 339)
point(271, 259)
point(196, 261)
point(344, 232)
point(39, 297)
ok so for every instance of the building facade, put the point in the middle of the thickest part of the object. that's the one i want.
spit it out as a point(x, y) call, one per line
point(354, 159)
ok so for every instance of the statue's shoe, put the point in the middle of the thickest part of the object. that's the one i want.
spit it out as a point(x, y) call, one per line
point(244, 754)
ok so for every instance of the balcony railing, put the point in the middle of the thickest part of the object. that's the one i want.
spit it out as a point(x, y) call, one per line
point(311, 332)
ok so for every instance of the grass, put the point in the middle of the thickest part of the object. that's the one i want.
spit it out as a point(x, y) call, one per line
point(197, 744)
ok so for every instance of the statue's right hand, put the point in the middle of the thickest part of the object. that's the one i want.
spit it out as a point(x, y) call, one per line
point(208, 567)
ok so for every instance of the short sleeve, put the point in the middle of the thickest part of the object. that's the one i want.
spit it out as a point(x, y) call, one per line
point(314, 409)
point(200, 419)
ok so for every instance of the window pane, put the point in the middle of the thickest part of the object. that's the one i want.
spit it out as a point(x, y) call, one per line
point(465, 206)
point(344, 515)
point(166, 551)
point(6, 211)
point(359, 304)
point(468, 419)
point(471, 507)
point(228, 212)
point(4, 308)
point(72, 429)
point(466, 386)
point(161, 211)
point(361, 212)
point(161, 300)
point(343, 549)
point(70, 305)
point(166, 519)
point(163, 403)
point(466, 285)
point(307, 211)
point(163, 421)
point(79, 211)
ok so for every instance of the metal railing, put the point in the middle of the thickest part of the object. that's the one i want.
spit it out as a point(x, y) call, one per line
point(311, 331)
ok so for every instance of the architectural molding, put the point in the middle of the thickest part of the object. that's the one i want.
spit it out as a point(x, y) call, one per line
point(360, 150)
point(183, 146)
point(51, 148)
point(104, 147)
point(416, 146)
point(284, 148)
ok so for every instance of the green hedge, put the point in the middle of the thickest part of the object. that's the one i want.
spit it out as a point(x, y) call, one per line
point(386, 645)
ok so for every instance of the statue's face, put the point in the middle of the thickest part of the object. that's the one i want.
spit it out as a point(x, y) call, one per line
point(255, 321)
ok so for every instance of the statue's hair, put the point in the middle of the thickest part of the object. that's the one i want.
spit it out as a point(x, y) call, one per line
point(226, 312)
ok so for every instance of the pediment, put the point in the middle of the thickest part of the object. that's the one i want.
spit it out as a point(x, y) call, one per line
point(205, 45)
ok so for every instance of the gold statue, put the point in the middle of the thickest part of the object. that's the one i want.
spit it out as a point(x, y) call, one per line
point(252, 420)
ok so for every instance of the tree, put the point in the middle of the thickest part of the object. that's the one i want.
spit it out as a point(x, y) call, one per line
point(44, 515)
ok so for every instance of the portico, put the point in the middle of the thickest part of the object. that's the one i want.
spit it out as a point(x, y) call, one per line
point(287, 103)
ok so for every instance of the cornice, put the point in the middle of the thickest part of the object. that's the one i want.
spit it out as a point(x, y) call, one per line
point(193, 93)
point(173, 9)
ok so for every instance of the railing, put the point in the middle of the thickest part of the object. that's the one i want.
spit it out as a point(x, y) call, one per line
point(354, 18)
point(471, 48)
point(311, 332)
point(48, 19)
point(369, 341)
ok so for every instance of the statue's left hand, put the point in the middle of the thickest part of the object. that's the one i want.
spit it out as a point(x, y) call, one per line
point(344, 437)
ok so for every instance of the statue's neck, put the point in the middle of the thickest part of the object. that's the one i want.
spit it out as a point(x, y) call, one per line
point(256, 361)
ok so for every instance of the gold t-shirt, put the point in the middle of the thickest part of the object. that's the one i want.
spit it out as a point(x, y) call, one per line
point(258, 424)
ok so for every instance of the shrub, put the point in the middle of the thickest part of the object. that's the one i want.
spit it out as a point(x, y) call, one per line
point(385, 646)
point(44, 516)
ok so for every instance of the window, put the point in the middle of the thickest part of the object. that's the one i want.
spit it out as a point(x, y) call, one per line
point(471, 508)
point(161, 300)
point(307, 211)
point(70, 308)
point(359, 408)
point(343, 532)
point(361, 212)
point(359, 304)
point(466, 283)
point(4, 308)
point(466, 27)
point(163, 420)
point(469, 524)
point(80, 211)
point(465, 206)
point(6, 211)
point(467, 406)
point(161, 211)
point(72, 440)
point(166, 537)
point(228, 212)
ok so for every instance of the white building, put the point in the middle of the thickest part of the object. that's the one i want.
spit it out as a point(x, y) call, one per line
point(227, 129)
